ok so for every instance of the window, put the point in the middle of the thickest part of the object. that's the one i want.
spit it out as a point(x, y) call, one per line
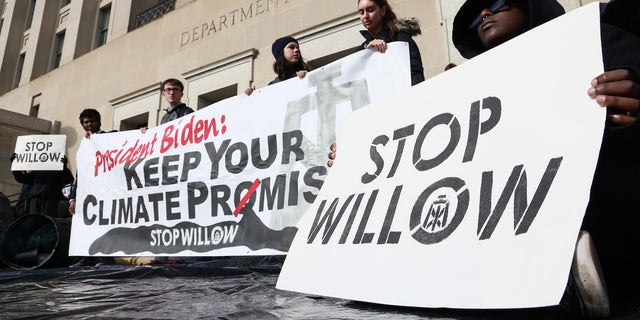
point(225, 77)
point(64, 3)
point(137, 109)
point(135, 122)
point(30, 10)
point(18, 75)
point(35, 106)
point(103, 25)
point(57, 51)
point(325, 60)
point(211, 97)
point(150, 14)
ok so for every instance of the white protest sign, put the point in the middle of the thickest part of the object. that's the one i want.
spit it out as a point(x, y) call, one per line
point(231, 179)
point(468, 190)
point(39, 152)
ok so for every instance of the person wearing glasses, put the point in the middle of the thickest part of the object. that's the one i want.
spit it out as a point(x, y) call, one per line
point(612, 217)
point(172, 91)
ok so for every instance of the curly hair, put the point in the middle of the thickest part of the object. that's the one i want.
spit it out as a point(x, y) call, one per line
point(90, 114)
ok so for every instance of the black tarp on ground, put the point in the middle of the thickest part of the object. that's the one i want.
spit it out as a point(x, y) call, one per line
point(220, 289)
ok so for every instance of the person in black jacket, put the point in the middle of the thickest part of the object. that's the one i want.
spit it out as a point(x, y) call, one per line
point(91, 123)
point(42, 190)
point(172, 91)
point(289, 62)
point(612, 218)
point(382, 26)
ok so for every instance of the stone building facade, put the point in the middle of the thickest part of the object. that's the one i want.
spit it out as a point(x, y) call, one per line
point(60, 56)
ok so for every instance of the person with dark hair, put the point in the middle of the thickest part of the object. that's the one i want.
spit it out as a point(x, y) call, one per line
point(91, 122)
point(611, 219)
point(382, 26)
point(289, 62)
point(172, 91)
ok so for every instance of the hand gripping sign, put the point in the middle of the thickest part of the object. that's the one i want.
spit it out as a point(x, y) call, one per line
point(39, 152)
point(466, 191)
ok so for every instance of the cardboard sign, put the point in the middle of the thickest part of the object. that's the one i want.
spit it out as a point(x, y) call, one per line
point(39, 152)
point(230, 179)
point(468, 190)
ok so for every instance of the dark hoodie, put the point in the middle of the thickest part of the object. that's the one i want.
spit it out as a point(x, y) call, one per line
point(466, 40)
point(613, 213)
point(407, 28)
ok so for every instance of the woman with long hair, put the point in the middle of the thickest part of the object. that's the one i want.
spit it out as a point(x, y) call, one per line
point(383, 26)
point(289, 62)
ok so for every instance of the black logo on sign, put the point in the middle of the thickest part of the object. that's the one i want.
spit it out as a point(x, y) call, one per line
point(440, 220)
point(437, 216)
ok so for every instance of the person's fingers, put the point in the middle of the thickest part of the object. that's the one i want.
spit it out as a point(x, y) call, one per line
point(380, 45)
point(611, 76)
point(383, 47)
point(617, 91)
point(623, 104)
point(331, 155)
point(622, 119)
point(623, 88)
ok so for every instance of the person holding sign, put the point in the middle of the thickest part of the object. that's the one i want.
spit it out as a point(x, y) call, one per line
point(612, 214)
point(382, 26)
point(289, 62)
point(42, 190)
point(91, 122)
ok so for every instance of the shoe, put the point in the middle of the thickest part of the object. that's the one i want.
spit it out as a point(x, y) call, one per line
point(586, 293)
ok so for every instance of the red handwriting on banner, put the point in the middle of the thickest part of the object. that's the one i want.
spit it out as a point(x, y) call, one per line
point(105, 161)
point(191, 132)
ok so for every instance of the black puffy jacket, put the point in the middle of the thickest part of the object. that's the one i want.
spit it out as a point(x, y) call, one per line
point(407, 28)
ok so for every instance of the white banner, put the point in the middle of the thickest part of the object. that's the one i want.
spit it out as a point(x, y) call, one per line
point(468, 190)
point(230, 179)
point(39, 152)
